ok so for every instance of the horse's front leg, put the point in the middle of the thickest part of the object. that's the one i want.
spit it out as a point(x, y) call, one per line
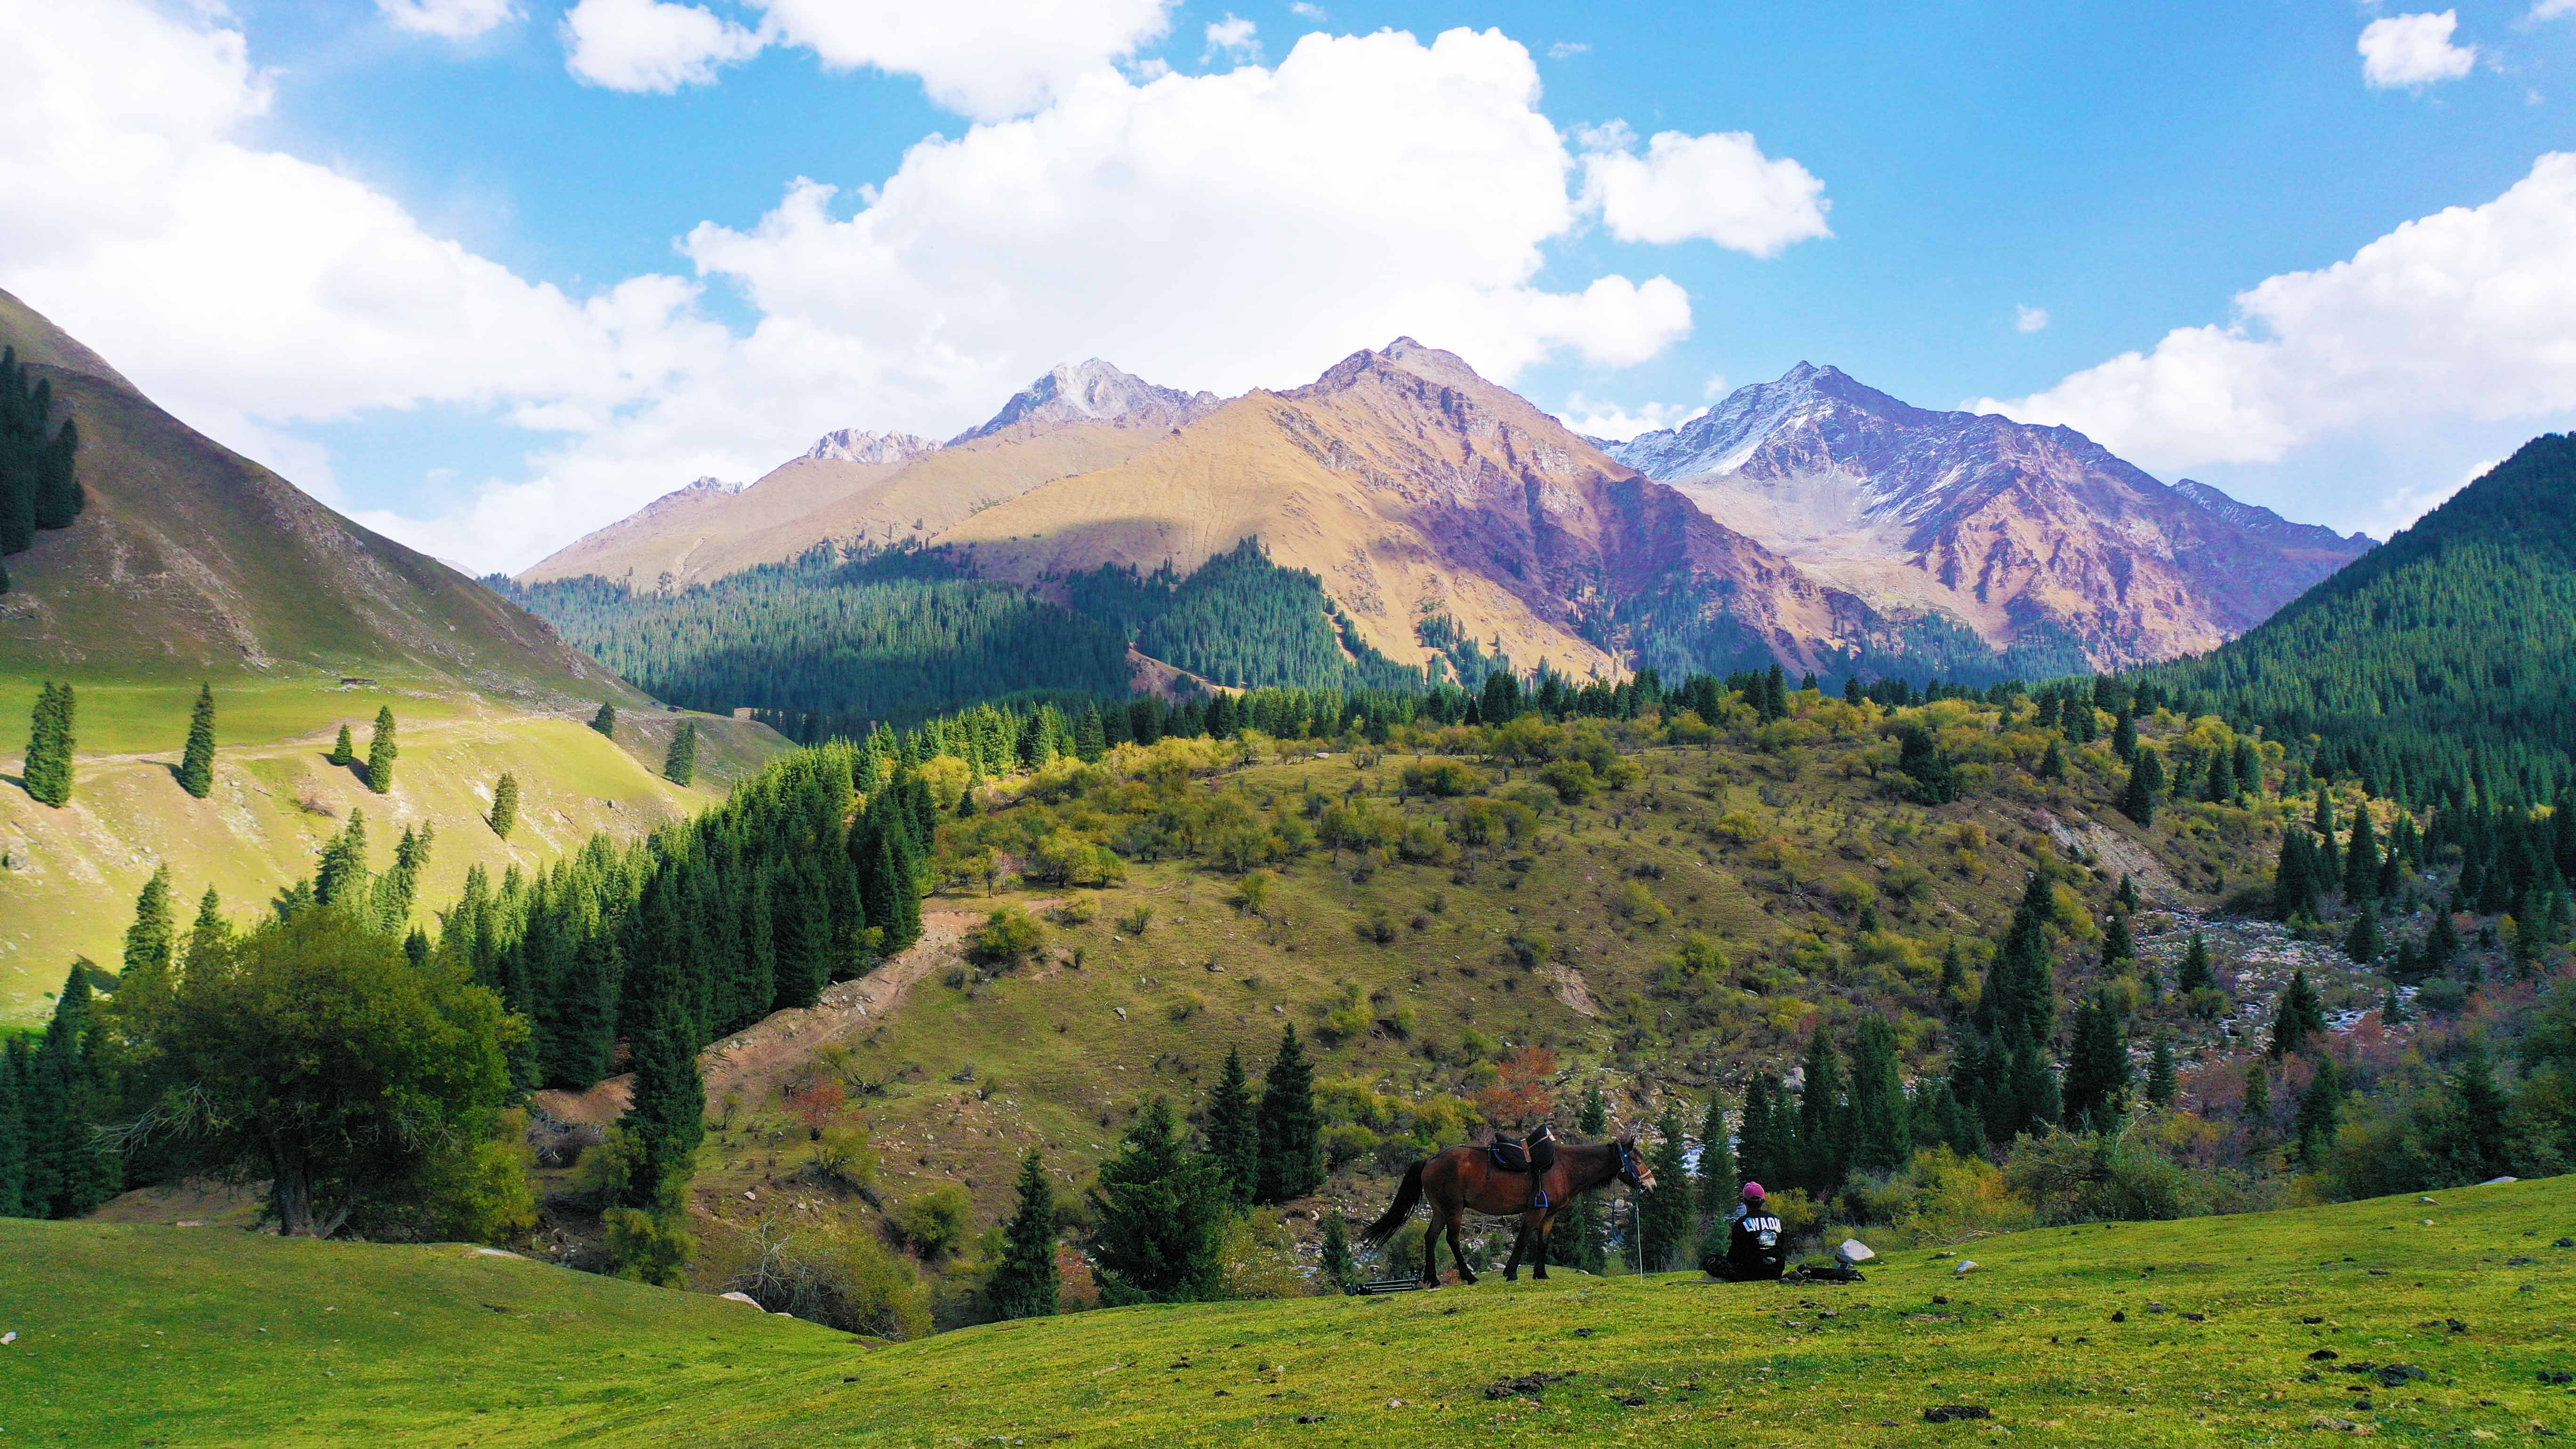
point(1458, 1246)
point(1542, 1229)
point(1512, 1265)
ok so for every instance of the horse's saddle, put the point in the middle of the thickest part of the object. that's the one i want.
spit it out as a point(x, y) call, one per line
point(1512, 1154)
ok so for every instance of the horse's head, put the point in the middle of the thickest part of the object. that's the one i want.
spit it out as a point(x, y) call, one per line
point(1633, 1167)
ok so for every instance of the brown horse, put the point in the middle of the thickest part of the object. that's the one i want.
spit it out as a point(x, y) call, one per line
point(1461, 1178)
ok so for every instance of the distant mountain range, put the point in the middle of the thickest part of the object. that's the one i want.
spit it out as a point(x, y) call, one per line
point(2026, 535)
point(1811, 520)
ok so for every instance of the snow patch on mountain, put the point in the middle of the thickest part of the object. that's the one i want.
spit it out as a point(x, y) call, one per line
point(860, 445)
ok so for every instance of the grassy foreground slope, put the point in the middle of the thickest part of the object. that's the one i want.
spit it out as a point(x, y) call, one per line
point(2458, 1309)
point(71, 876)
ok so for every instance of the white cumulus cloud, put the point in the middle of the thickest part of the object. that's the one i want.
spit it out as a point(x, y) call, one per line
point(2030, 319)
point(988, 59)
point(1235, 37)
point(1594, 419)
point(650, 45)
point(448, 19)
point(1224, 231)
point(2467, 313)
point(2413, 50)
point(1718, 188)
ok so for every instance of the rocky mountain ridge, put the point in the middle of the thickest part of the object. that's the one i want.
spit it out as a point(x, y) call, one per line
point(2036, 539)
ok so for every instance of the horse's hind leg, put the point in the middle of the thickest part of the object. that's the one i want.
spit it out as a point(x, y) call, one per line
point(1512, 1265)
point(1541, 1228)
point(1457, 1248)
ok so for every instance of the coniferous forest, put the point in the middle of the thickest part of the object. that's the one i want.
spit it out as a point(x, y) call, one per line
point(2434, 668)
point(39, 477)
point(890, 636)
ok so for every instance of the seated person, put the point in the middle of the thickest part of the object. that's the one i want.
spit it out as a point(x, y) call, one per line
point(1756, 1248)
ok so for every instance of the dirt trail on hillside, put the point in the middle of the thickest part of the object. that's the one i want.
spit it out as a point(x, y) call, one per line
point(756, 1061)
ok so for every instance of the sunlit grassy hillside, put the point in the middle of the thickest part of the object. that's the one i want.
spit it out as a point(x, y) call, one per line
point(2436, 1322)
point(72, 873)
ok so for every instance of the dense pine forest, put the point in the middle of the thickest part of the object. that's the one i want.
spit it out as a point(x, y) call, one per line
point(39, 477)
point(1239, 620)
point(890, 636)
point(2434, 668)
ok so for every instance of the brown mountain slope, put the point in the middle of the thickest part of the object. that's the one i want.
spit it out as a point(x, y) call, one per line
point(2032, 537)
point(1414, 487)
point(191, 559)
point(1072, 420)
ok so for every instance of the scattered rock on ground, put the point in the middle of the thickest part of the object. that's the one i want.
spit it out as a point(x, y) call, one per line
point(1853, 1250)
point(1945, 1413)
point(1525, 1386)
point(1966, 1265)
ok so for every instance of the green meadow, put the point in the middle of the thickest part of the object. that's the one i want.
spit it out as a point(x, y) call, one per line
point(2423, 1322)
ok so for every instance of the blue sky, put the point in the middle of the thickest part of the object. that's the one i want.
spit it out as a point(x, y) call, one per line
point(487, 276)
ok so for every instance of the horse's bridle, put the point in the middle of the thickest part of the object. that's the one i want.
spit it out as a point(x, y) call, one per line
point(1627, 1166)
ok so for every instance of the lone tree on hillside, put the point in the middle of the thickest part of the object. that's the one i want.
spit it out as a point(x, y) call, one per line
point(381, 752)
point(345, 751)
point(606, 720)
point(48, 771)
point(197, 766)
point(1292, 1156)
point(2302, 1015)
point(1024, 1282)
point(680, 766)
point(505, 805)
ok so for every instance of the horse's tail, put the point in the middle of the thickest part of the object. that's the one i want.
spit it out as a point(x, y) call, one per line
point(1376, 1233)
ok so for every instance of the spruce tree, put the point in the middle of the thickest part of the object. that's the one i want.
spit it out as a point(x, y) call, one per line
point(1880, 1134)
point(2195, 974)
point(2124, 738)
point(381, 752)
point(2257, 1111)
point(344, 752)
point(2320, 1109)
point(2097, 1068)
point(2293, 884)
point(680, 765)
point(2361, 861)
point(13, 1130)
point(667, 1113)
point(2162, 1087)
point(197, 763)
point(1024, 1282)
point(1292, 1157)
point(2362, 941)
point(505, 805)
point(1159, 1216)
point(2119, 948)
point(343, 877)
point(149, 942)
point(2128, 894)
point(210, 928)
point(1716, 1167)
point(1234, 1130)
point(1340, 1269)
point(605, 722)
point(2146, 779)
point(2052, 764)
point(2302, 1014)
point(50, 740)
point(1824, 1141)
point(1664, 1218)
